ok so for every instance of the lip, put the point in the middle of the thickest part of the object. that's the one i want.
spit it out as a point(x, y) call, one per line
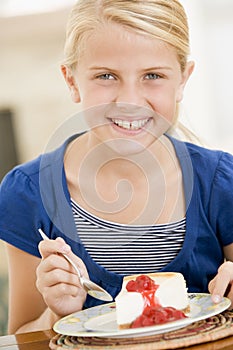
point(132, 131)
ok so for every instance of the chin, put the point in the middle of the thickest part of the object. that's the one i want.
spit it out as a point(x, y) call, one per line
point(127, 147)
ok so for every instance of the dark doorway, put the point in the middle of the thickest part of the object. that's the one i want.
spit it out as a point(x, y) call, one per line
point(8, 153)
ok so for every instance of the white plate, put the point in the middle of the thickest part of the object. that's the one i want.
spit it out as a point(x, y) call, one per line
point(100, 321)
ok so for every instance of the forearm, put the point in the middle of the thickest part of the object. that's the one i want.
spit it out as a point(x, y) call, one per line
point(45, 321)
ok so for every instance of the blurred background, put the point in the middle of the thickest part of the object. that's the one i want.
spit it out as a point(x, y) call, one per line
point(34, 100)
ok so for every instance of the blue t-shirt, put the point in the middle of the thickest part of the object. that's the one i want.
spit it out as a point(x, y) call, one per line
point(35, 195)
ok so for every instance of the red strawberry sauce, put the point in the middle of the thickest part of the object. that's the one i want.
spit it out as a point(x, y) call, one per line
point(153, 313)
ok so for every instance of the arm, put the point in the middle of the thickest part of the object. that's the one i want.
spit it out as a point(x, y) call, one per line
point(25, 302)
point(42, 290)
point(222, 284)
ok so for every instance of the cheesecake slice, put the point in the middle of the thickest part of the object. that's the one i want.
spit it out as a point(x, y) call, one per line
point(151, 299)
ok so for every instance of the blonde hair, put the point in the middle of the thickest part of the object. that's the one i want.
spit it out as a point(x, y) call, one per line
point(160, 19)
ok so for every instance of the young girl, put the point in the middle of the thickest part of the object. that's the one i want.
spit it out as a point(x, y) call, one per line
point(123, 197)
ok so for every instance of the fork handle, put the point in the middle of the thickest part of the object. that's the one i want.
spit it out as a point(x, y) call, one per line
point(73, 264)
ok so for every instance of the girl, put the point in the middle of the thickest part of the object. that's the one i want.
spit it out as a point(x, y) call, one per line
point(124, 197)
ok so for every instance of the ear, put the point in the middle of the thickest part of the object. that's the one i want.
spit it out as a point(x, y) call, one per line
point(185, 76)
point(70, 81)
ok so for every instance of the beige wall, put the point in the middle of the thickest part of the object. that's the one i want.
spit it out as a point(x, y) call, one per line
point(31, 82)
point(32, 85)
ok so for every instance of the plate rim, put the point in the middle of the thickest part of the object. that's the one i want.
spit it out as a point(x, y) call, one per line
point(223, 305)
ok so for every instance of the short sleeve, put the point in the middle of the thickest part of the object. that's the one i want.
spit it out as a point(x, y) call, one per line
point(221, 200)
point(20, 211)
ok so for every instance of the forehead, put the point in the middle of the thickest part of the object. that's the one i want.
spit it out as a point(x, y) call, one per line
point(112, 40)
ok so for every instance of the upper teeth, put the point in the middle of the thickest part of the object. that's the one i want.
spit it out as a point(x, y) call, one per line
point(134, 125)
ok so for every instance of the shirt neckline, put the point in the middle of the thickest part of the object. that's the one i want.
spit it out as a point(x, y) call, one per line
point(106, 223)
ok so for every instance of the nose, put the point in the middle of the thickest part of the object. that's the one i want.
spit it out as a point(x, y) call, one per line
point(130, 93)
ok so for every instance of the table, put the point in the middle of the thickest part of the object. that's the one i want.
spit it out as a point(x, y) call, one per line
point(27, 341)
point(40, 341)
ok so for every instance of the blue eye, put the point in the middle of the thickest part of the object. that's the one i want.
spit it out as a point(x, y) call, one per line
point(152, 76)
point(105, 76)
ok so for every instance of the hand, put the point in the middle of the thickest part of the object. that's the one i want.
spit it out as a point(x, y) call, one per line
point(56, 279)
point(222, 284)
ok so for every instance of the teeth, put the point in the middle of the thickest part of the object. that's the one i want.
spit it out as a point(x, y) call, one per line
point(134, 125)
point(125, 125)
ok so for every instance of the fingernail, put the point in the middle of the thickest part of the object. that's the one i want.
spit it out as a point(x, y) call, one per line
point(216, 298)
point(65, 249)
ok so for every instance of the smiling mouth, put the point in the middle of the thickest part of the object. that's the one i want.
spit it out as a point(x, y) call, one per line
point(130, 125)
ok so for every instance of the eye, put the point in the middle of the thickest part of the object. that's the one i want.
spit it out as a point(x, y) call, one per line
point(152, 76)
point(106, 76)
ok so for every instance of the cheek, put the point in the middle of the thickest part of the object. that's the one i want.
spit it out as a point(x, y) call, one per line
point(96, 116)
point(95, 96)
point(164, 103)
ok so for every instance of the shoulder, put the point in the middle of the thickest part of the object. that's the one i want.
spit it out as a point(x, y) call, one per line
point(200, 153)
point(21, 187)
point(208, 161)
point(212, 172)
point(29, 172)
point(204, 160)
point(209, 171)
point(204, 152)
point(20, 206)
point(20, 178)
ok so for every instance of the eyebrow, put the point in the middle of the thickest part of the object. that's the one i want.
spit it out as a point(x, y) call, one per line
point(158, 67)
point(144, 69)
point(99, 67)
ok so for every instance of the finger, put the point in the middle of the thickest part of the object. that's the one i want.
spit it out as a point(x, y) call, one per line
point(50, 246)
point(211, 284)
point(54, 261)
point(79, 263)
point(221, 282)
point(64, 299)
point(57, 276)
point(59, 246)
point(60, 291)
point(54, 267)
point(45, 274)
point(229, 295)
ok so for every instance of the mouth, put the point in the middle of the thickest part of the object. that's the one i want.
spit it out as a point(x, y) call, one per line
point(133, 125)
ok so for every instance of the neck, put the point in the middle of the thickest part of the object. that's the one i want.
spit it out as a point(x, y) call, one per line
point(101, 155)
point(122, 188)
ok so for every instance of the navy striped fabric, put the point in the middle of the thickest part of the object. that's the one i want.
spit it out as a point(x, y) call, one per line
point(128, 249)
